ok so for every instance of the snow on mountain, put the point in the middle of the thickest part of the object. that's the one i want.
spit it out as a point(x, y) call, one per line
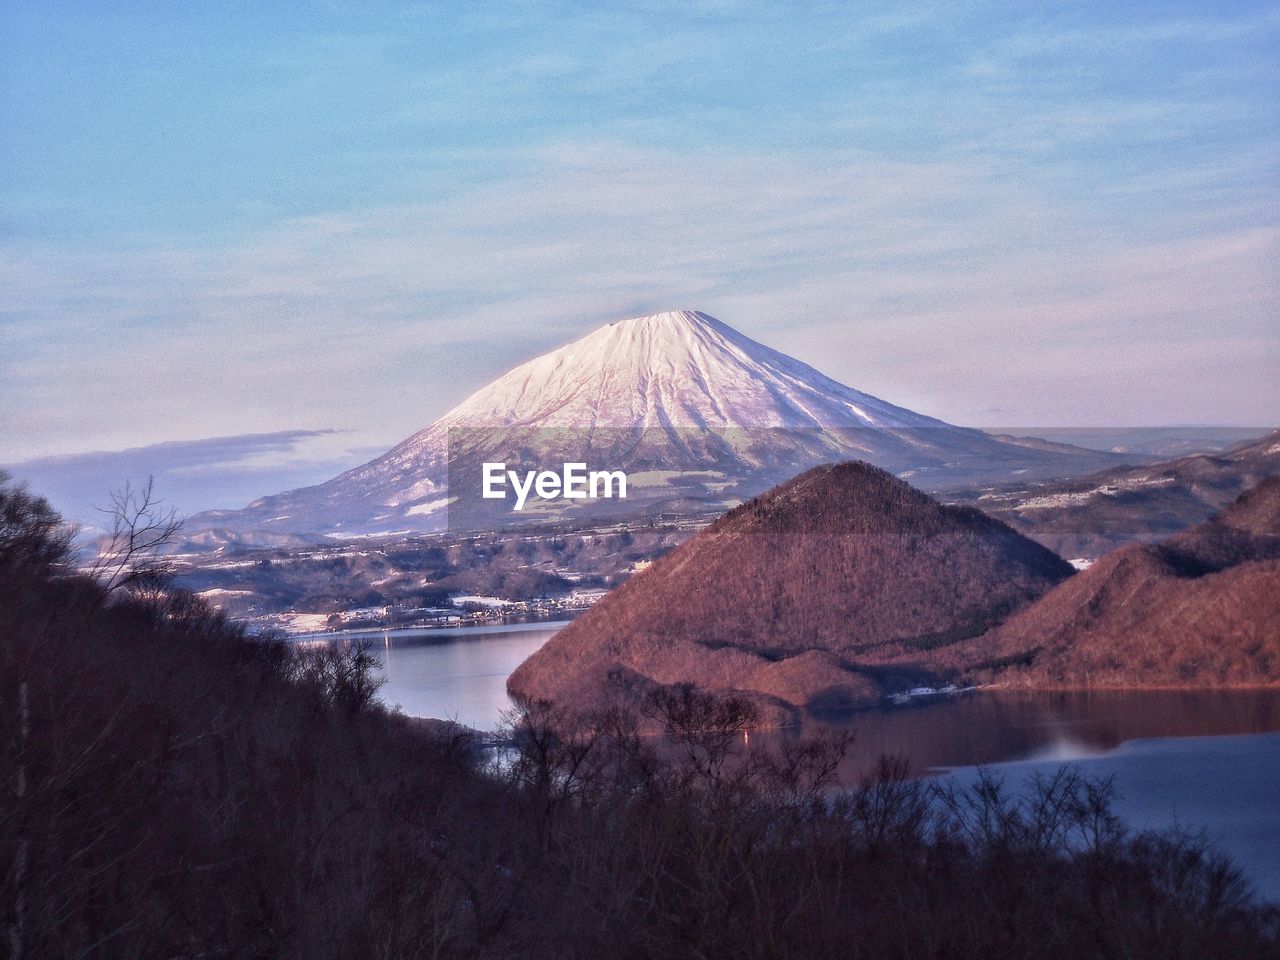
point(683, 368)
point(677, 393)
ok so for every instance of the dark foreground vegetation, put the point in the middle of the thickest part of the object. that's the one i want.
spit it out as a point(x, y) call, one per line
point(171, 788)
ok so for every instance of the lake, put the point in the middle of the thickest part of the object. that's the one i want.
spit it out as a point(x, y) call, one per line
point(1206, 759)
point(456, 673)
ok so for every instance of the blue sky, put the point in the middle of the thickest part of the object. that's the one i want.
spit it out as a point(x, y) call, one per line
point(225, 219)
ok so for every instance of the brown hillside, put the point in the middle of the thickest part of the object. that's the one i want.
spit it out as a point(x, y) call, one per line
point(1202, 609)
point(798, 595)
point(1256, 511)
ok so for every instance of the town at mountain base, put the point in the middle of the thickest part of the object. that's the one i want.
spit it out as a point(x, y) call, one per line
point(846, 585)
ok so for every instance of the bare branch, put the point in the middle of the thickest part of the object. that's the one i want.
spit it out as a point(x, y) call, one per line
point(131, 557)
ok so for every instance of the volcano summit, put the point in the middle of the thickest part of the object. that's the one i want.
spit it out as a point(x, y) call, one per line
point(697, 414)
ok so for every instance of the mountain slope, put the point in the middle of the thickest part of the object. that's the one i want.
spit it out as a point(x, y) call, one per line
point(798, 596)
point(703, 414)
point(1200, 609)
point(1088, 516)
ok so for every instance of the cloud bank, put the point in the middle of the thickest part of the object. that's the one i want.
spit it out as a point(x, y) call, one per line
point(190, 475)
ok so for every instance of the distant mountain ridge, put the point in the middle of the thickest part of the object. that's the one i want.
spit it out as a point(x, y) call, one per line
point(1088, 516)
point(705, 415)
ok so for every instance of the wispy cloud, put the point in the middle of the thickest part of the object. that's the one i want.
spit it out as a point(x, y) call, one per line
point(191, 475)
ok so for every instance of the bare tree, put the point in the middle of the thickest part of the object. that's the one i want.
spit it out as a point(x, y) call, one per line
point(34, 540)
point(32, 535)
point(346, 675)
point(704, 726)
point(131, 557)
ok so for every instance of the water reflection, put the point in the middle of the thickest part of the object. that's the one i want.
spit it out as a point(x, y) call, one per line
point(461, 674)
point(1001, 726)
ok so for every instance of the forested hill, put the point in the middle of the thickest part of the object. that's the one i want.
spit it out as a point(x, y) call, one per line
point(794, 593)
point(1199, 609)
point(173, 788)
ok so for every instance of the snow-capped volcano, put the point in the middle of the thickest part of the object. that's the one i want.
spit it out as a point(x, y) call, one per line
point(680, 399)
point(684, 369)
